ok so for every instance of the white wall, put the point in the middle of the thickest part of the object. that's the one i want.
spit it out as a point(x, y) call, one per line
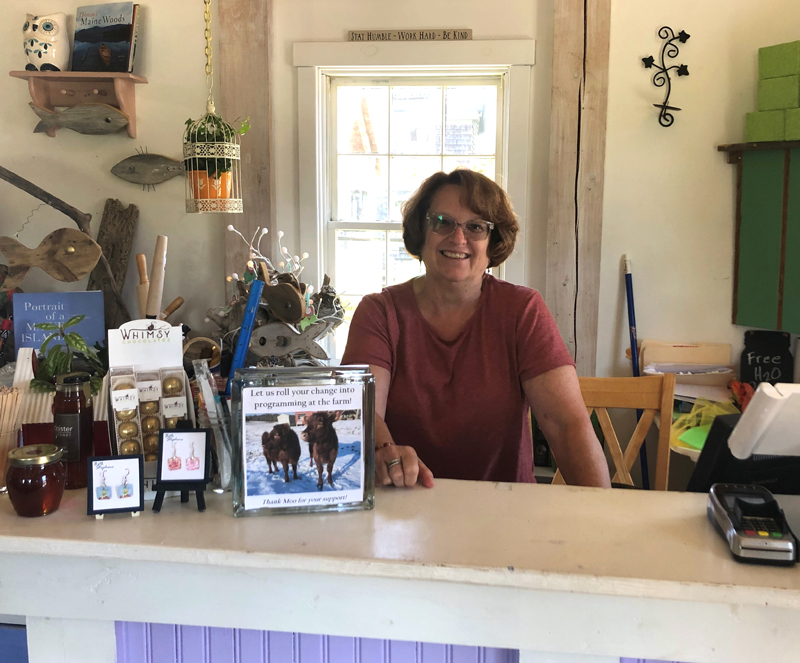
point(76, 168)
point(669, 195)
point(323, 20)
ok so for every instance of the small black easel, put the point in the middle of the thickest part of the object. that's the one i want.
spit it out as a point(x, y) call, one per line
point(185, 488)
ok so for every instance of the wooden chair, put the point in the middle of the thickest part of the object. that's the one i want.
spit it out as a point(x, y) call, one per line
point(651, 394)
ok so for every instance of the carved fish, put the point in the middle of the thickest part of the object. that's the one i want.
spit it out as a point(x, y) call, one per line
point(277, 339)
point(92, 119)
point(66, 254)
point(148, 169)
point(285, 301)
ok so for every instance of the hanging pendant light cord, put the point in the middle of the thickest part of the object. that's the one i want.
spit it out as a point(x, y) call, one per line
point(209, 69)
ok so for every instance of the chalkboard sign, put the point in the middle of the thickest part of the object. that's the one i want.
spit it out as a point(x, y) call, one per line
point(766, 358)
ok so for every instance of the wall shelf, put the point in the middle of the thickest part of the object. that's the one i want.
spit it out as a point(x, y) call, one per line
point(49, 89)
point(735, 150)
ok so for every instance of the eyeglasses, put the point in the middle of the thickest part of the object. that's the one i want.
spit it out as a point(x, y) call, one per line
point(443, 225)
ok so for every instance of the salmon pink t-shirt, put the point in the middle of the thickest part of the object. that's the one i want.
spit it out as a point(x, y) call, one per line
point(460, 404)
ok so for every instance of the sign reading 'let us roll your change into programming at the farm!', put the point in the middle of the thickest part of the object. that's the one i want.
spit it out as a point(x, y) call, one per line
point(458, 34)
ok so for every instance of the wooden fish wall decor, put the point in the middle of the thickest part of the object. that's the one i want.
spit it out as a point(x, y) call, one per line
point(148, 169)
point(277, 339)
point(66, 254)
point(91, 119)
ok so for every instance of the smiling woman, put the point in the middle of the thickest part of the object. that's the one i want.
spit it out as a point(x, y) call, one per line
point(459, 356)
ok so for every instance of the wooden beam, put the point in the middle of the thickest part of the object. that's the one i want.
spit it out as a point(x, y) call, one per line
point(245, 54)
point(577, 155)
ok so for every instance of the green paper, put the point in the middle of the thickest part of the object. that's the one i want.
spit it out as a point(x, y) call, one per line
point(792, 124)
point(779, 60)
point(779, 93)
point(765, 126)
point(695, 437)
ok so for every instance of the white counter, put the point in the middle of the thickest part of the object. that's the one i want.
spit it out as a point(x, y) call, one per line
point(544, 568)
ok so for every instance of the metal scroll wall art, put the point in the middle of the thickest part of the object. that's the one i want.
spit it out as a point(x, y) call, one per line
point(661, 77)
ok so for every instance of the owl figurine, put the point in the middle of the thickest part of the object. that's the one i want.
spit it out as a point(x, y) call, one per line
point(46, 42)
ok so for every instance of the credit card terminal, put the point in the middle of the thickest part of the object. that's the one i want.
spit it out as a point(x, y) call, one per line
point(750, 520)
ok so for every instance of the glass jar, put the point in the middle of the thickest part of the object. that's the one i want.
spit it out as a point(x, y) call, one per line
point(73, 426)
point(35, 479)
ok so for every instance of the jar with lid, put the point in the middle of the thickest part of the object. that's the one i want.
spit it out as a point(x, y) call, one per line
point(73, 425)
point(35, 479)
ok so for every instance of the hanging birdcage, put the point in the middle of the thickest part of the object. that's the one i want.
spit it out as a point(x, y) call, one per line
point(212, 153)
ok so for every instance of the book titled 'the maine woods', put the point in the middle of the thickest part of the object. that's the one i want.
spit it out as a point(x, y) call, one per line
point(105, 37)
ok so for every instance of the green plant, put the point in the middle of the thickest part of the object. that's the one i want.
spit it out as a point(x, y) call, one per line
point(212, 129)
point(75, 354)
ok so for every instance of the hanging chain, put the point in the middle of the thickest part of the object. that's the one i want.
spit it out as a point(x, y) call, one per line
point(209, 68)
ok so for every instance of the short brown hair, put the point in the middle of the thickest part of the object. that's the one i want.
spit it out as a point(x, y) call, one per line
point(480, 194)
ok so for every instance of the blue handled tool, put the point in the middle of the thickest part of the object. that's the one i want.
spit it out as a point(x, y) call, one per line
point(635, 359)
point(240, 354)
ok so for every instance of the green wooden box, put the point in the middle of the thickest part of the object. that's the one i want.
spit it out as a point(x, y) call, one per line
point(792, 124)
point(779, 60)
point(765, 126)
point(779, 93)
point(767, 263)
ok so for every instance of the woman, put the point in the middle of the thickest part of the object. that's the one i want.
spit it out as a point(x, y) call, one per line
point(458, 355)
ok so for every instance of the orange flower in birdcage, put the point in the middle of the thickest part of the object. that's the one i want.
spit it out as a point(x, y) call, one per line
point(212, 153)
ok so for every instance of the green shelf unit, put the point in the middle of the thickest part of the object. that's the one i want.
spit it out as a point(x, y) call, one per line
point(767, 248)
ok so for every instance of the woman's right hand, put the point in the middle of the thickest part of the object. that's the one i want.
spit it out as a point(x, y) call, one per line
point(400, 466)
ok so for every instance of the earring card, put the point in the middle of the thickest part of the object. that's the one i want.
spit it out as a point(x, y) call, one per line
point(303, 440)
point(184, 457)
point(115, 485)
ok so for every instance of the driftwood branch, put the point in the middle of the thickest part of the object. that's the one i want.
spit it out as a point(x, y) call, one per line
point(81, 219)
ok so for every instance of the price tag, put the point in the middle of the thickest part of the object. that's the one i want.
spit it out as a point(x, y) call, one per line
point(149, 390)
point(124, 399)
point(173, 406)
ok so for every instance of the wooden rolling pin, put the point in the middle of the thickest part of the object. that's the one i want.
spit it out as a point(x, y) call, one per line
point(174, 306)
point(156, 290)
point(144, 283)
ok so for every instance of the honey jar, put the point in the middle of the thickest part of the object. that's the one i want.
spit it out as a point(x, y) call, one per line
point(73, 427)
point(35, 479)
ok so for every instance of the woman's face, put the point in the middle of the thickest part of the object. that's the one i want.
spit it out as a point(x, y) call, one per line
point(455, 258)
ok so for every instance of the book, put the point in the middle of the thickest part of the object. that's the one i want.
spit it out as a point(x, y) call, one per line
point(105, 37)
point(31, 308)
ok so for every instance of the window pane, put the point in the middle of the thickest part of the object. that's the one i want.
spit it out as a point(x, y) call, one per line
point(470, 119)
point(360, 262)
point(402, 265)
point(416, 120)
point(362, 191)
point(407, 173)
point(484, 165)
point(362, 118)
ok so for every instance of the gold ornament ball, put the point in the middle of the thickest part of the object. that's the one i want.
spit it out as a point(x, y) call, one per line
point(151, 457)
point(172, 386)
point(126, 415)
point(123, 385)
point(150, 407)
point(128, 429)
point(151, 443)
point(150, 424)
point(129, 448)
point(171, 422)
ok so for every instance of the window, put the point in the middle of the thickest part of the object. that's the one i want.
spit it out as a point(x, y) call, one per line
point(386, 136)
point(374, 121)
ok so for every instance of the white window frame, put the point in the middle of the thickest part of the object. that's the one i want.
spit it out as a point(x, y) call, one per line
point(316, 62)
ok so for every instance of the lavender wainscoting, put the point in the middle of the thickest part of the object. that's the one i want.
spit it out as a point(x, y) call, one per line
point(166, 643)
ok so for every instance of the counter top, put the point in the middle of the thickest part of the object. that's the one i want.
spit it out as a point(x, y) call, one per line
point(610, 542)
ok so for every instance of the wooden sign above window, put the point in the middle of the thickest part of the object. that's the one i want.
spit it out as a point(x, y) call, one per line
point(429, 34)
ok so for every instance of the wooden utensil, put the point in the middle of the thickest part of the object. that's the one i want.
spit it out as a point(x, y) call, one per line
point(156, 290)
point(144, 284)
point(174, 306)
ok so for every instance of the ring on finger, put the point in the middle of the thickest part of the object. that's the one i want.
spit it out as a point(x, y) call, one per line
point(393, 462)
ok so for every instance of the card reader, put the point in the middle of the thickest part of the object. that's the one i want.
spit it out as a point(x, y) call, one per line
point(750, 520)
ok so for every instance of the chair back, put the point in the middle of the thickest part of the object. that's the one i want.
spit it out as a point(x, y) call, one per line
point(651, 394)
